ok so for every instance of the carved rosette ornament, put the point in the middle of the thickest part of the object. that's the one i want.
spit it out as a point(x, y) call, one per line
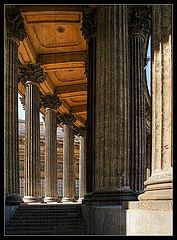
point(50, 101)
point(139, 19)
point(89, 22)
point(15, 25)
point(67, 119)
point(32, 73)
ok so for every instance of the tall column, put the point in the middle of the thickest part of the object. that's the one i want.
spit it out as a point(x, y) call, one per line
point(68, 158)
point(14, 33)
point(81, 132)
point(33, 75)
point(89, 33)
point(50, 103)
point(139, 26)
point(159, 185)
point(112, 108)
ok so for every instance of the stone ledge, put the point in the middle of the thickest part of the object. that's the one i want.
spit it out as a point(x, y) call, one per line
point(152, 205)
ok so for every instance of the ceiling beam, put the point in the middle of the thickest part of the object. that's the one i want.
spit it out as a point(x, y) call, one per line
point(45, 59)
point(79, 109)
point(71, 88)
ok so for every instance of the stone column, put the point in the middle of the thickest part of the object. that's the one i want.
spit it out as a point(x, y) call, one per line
point(89, 33)
point(159, 185)
point(14, 33)
point(81, 132)
point(32, 75)
point(139, 26)
point(68, 158)
point(50, 103)
point(112, 108)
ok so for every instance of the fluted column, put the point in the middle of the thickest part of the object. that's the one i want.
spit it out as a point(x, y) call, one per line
point(139, 26)
point(50, 103)
point(159, 185)
point(14, 33)
point(68, 158)
point(89, 33)
point(32, 75)
point(112, 105)
point(81, 132)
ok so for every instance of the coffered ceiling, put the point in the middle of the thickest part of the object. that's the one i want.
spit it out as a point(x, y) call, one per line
point(55, 41)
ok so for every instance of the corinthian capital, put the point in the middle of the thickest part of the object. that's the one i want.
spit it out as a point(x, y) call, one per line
point(50, 101)
point(139, 19)
point(15, 25)
point(31, 73)
point(67, 119)
point(80, 131)
point(89, 22)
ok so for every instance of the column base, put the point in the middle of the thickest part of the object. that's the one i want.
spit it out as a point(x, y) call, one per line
point(67, 200)
point(109, 197)
point(158, 187)
point(80, 200)
point(13, 199)
point(31, 199)
point(50, 199)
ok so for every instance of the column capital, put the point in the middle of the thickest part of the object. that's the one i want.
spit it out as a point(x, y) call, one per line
point(66, 119)
point(15, 25)
point(50, 101)
point(22, 100)
point(89, 22)
point(80, 131)
point(31, 73)
point(139, 20)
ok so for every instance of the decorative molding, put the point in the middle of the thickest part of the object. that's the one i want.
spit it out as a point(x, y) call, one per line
point(15, 25)
point(50, 101)
point(89, 22)
point(139, 19)
point(31, 73)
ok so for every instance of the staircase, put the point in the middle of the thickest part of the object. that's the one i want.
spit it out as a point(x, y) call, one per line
point(46, 219)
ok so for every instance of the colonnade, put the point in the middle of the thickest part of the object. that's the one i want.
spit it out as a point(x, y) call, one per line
point(115, 164)
point(31, 76)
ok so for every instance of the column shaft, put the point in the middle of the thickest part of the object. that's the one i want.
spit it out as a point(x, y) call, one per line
point(51, 156)
point(14, 32)
point(136, 43)
point(68, 163)
point(82, 168)
point(11, 118)
point(112, 108)
point(32, 144)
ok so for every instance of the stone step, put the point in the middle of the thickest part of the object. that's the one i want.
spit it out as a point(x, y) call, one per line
point(49, 220)
point(46, 220)
point(28, 233)
point(46, 227)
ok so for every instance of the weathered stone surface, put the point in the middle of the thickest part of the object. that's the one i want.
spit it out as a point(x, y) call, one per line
point(159, 185)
